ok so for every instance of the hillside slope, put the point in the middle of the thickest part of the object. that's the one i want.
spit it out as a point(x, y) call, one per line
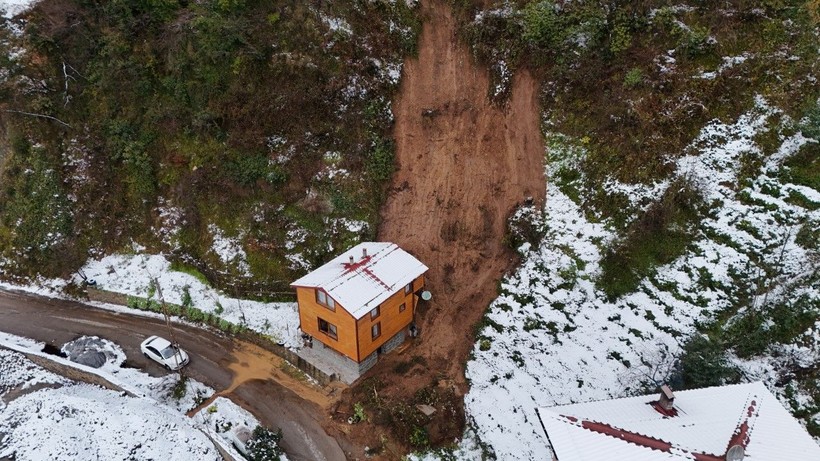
point(251, 140)
point(184, 125)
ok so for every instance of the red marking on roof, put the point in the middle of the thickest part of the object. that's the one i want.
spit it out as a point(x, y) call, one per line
point(362, 264)
point(373, 276)
point(671, 413)
point(741, 435)
point(631, 437)
point(707, 457)
point(571, 418)
point(350, 267)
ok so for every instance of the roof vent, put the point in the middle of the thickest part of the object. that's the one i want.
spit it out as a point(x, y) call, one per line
point(735, 453)
point(351, 259)
point(667, 399)
point(364, 253)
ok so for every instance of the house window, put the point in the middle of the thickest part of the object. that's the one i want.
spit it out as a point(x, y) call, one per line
point(402, 307)
point(328, 328)
point(324, 299)
point(374, 313)
point(376, 330)
point(408, 288)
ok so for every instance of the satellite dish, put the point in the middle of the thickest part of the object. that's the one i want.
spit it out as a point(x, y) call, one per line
point(735, 453)
point(426, 295)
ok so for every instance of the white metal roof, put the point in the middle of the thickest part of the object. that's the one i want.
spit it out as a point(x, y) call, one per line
point(369, 280)
point(707, 420)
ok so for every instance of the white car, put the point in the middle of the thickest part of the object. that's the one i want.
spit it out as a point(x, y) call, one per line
point(163, 352)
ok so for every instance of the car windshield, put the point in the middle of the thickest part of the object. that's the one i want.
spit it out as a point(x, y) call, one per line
point(168, 352)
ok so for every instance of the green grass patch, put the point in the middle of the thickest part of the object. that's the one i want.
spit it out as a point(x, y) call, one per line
point(657, 237)
point(803, 168)
point(185, 268)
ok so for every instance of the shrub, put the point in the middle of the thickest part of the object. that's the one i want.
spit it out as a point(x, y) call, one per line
point(264, 445)
point(187, 301)
point(704, 363)
point(380, 164)
point(358, 413)
point(804, 166)
point(696, 41)
point(419, 437)
point(657, 237)
point(809, 235)
point(543, 25)
point(525, 225)
point(810, 126)
point(247, 170)
point(180, 388)
point(633, 78)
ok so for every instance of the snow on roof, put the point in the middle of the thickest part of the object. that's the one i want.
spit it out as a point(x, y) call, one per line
point(707, 423)
point(378, 270)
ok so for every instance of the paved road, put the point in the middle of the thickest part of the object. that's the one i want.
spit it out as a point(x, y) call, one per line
point(56, 322)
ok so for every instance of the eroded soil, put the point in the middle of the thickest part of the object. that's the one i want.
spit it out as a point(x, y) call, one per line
point(464, 164)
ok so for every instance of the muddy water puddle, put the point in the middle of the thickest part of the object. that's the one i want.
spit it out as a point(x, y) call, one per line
point(251, 362)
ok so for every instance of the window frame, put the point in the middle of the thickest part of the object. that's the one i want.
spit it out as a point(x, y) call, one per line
point(378, 312)
point(331, 332)
point(328, 302)
point(375, 330)
point(408, 288)
point(402, 307)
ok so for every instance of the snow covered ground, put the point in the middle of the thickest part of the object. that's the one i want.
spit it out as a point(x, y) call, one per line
point(134, 275)
point(12, 7)
point(84, 421)
point(554, 339)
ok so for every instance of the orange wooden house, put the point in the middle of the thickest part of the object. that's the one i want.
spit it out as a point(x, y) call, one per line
point(362, 303)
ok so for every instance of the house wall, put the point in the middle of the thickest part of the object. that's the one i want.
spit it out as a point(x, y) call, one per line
point(392, 321)
point(309, 313)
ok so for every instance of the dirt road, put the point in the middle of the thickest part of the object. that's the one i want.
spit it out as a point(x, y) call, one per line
point(463, 166)
point(245, 373)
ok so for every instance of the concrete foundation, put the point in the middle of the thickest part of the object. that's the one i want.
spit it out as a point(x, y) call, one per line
point(344, 368)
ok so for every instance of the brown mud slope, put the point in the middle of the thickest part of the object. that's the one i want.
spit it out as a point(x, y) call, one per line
point(464, 164)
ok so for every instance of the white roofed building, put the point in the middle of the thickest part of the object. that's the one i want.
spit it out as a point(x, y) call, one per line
point(361, 303)
point(741, 422)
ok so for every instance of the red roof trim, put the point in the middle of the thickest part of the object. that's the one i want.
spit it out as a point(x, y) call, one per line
point(741, 435)
point(632, 437)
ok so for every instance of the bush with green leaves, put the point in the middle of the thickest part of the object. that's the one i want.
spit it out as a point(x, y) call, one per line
point(658, 236)
point(704, 363)
point(180, 388)
point(187, 301)
point(264, 445)
point(358, 413)
point(633, 78)
point(527, 224)
point(419, 437)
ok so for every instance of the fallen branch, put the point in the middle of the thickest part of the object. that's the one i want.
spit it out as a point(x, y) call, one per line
point(38, 115)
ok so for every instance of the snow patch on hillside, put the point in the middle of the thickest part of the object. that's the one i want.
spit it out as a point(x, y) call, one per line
point(552, 338)
point(14, 7)
point(132, 275)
